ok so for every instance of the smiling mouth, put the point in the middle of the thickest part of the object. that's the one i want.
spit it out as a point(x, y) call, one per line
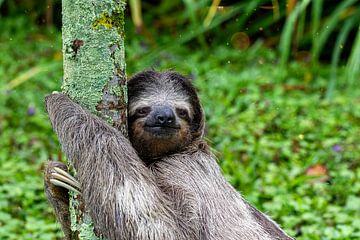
point(162, 126)
point(162, 131)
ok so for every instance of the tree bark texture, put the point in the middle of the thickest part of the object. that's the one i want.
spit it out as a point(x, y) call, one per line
point(94, 74)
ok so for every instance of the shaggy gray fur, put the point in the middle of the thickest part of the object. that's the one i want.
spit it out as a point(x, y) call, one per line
point(180, 196)
point(120, 191)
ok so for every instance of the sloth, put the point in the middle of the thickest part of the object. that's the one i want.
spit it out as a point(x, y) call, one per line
point(162, 183)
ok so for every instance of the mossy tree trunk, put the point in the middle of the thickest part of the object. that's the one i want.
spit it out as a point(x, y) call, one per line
point(94, 74)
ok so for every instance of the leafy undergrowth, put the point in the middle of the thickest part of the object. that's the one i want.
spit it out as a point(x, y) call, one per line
point(289, 150)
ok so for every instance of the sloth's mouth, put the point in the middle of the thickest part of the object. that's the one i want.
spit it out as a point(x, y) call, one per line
point(162, 126)
point(161, 131)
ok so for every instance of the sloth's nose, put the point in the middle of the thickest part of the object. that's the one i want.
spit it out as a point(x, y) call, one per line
point(165, 116)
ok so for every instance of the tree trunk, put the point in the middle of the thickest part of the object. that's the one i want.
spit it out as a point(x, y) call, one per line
point(94, 74)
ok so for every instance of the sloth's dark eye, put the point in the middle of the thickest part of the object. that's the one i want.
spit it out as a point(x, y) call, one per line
point(183, 113)
point(142, 112)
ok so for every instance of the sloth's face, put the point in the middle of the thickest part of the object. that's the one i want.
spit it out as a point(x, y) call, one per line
point(159, 129)
point(159, 122)
point(161, 116)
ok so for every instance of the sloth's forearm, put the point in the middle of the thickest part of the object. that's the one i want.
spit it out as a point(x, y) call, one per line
point(117, 187)
point(78, 130)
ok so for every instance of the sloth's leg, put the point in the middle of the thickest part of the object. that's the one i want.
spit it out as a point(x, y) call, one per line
point(57, 195)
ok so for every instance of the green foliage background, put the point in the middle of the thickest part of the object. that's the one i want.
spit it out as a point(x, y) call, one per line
point(268, 124)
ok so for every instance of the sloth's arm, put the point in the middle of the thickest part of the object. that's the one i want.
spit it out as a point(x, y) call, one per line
point(117, 187)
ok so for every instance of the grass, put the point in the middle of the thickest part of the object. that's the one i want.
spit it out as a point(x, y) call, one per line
point(271, 137)
point(288, 31)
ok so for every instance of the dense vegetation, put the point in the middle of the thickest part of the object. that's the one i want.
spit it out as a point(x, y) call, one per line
point(286, 133)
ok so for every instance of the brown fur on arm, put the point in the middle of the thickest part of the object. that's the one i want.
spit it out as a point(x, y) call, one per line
point(119, 190)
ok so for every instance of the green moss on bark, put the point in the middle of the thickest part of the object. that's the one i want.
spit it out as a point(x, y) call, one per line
point(90, 66)
point(94, 74)
point(109, 21)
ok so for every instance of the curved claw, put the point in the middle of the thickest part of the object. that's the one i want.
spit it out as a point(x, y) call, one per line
point(64, 185)
point(67, 177)
point(61, 178)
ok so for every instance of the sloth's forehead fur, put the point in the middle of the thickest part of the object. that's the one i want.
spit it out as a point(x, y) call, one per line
point(153, 88)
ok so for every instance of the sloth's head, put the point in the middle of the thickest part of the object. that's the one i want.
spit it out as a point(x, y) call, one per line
point(165, 115)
